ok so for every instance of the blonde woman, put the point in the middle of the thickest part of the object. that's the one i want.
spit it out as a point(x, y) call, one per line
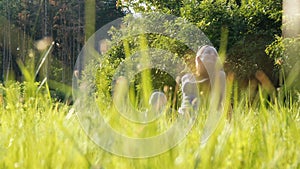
point(208, 81)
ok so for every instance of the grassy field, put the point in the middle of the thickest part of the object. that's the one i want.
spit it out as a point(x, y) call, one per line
point(37, 132)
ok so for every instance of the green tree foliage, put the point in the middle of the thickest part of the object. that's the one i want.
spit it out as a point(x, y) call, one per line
point(249, 24)
point(62, 21)
point(128, 43)
point(239, 28)
point(286, 53)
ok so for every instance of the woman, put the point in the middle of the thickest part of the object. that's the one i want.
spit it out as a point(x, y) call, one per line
point(208, 82)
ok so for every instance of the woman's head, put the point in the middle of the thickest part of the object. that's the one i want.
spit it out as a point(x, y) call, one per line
point(206, 58)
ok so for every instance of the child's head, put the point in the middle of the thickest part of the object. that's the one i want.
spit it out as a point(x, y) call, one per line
point(157, 101)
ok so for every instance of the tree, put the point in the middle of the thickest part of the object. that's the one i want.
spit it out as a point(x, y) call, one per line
point(238, 27)
point(61, 21)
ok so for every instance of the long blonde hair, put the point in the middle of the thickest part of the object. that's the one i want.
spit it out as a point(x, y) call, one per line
point(206, 54)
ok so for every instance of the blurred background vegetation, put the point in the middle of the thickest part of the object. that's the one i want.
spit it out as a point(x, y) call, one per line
point(247, 33)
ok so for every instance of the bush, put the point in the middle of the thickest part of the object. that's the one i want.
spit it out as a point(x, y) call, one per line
point(286, 53)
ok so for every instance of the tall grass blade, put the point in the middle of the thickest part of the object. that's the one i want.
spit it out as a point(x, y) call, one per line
point(44, 59)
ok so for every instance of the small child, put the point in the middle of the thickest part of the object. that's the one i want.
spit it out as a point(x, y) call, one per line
point(157, 102)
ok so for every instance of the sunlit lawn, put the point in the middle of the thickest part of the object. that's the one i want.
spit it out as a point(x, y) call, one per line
point(37, 132)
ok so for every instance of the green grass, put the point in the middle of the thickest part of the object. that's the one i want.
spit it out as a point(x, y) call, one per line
point(37, 132)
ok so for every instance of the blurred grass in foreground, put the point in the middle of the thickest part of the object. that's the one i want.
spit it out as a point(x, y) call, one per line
point(37, 133)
